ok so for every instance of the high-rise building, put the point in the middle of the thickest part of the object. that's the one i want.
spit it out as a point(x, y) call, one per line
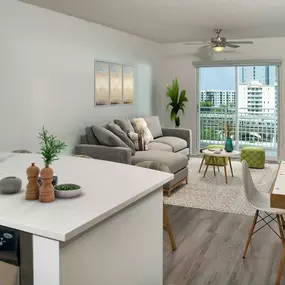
point(256, 97)
point(266, 75)
point(218, 97)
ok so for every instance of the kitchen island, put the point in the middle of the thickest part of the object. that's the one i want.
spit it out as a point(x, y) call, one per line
point(111, 234)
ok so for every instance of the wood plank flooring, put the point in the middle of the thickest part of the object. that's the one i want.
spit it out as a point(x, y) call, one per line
point(210, 247)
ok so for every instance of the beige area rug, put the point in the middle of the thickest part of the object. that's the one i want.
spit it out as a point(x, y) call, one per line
point(212, 192)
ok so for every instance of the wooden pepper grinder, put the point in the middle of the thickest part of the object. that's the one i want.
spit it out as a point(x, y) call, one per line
point(32, 192)
point(46, 189)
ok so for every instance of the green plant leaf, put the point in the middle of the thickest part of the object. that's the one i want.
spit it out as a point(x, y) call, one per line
point(176, 100)
point(173, 115)
point(50, 146)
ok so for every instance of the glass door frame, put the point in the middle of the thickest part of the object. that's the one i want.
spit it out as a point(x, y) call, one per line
point(237, 64)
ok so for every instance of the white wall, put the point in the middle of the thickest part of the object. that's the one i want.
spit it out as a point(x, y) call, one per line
point(177, 62)
point(47, 74)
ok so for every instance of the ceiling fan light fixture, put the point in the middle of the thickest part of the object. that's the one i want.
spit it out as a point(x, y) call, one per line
point(218, 48)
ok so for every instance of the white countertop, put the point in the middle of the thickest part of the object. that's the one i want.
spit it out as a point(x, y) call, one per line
point(107, 188)
point(279, 188)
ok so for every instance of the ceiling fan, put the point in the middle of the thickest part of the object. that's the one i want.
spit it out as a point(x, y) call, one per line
point(219, 43)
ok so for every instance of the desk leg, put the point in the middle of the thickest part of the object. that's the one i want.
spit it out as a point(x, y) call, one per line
point(202, 163)
point(46, 261)
point(214, 162)
point(217, 163)
point(225, 169)
point(209, 161)
point(230, 162)
point(280, 268)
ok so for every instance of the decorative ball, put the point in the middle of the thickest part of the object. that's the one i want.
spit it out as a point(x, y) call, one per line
point(10, 185)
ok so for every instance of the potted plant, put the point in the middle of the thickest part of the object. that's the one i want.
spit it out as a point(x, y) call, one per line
point(177, 101)
point(67, 190)
point(227, 130)
point(50, 148)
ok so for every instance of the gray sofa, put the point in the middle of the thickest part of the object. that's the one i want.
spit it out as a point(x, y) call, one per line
point(171, 146)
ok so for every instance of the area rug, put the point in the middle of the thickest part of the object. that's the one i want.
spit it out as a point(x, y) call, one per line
point(212, 192)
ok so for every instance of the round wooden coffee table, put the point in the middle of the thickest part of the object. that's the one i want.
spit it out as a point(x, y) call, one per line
point(213, 158)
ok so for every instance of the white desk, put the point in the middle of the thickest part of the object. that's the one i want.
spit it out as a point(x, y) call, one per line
point(277, 196)
point(112, 234)
point(213, 159)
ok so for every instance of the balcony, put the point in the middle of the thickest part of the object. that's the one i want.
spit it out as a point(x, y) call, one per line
point(251, 127)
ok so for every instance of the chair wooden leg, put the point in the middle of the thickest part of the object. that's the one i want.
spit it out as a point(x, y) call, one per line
point(280, 229)
point(168, 228)
point(283, 222)
point(280, 267)
point(202, 163)
point(250, 233)
point(207, 167)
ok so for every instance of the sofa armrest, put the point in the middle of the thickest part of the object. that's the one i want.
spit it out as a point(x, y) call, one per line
point(185, 134)
point(115, 154)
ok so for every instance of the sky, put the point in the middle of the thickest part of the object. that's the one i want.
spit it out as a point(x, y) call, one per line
point(218, 78)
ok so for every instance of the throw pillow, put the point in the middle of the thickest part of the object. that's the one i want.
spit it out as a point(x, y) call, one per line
point(116, 130)
point(154, 126)
point(143, 130)
point(106, 137)
point(138, 141)
point(91, 136)
point(125, 125)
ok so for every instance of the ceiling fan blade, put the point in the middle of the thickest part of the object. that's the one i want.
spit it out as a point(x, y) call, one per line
point(206, 46)
point(240, 42)
point(227, 44)
point(195, 43)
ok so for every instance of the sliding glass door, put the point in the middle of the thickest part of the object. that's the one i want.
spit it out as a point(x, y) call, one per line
point(244, 96)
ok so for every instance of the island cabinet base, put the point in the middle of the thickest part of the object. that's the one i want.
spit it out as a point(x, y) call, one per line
point(126, 248)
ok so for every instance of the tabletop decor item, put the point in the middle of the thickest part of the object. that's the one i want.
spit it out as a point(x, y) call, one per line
point(227, 130)
point(33, 187)
point(66, 191)
point(10, 185)
point(53, 182)
point(177, 101)
point(50, 148)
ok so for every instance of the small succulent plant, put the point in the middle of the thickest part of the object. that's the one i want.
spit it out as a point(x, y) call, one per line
point(67, 187)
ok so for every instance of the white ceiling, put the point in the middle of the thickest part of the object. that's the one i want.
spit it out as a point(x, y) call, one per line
point(168, 21)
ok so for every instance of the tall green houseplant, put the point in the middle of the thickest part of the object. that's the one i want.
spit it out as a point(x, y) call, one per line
point(177, 101)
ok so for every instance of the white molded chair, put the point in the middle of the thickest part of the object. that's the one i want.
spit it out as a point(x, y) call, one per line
point(261, 202)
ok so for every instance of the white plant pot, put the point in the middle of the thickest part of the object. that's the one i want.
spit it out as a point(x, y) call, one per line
point(66, 194)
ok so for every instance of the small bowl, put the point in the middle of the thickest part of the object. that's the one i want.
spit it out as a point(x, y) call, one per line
point(66, 194)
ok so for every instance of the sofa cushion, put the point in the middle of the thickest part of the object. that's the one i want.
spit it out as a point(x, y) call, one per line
point(90, 136)
point(107, 138)
point(125, 125)
point(154, 126)
point(176, 143)
point(116, 130)
point(174, 161)
point(159, 146)
point(154, 165)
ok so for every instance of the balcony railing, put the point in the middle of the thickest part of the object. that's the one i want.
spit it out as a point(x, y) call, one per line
point(251, 126)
